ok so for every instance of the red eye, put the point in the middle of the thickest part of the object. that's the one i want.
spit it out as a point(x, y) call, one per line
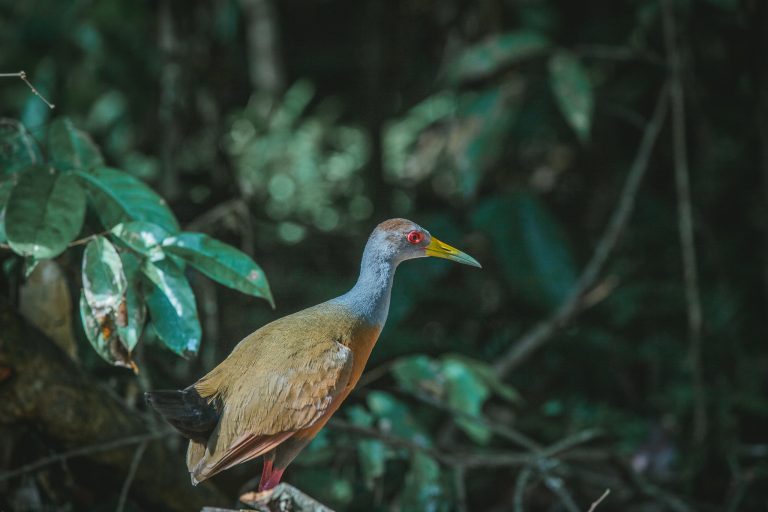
point(415, 237)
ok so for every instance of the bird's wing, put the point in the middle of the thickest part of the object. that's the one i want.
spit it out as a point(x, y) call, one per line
point(277, 384)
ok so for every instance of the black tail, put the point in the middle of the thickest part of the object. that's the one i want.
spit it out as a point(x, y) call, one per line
point(188, 412)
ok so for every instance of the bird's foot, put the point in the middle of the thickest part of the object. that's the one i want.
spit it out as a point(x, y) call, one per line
point(256, 498)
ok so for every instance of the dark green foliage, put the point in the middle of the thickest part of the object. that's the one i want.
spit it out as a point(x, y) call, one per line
point(506, 129)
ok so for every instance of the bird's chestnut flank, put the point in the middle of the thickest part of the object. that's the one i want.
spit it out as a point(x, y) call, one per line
point(282, 383)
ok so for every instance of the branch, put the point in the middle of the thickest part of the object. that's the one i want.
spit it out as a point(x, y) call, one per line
point(23, 76)
point(83, 451)
point(131, 474)
point(599, 500)
point(542, 332)
point(685, 220)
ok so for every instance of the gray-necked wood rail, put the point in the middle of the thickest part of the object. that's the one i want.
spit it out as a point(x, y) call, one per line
point(281, 384)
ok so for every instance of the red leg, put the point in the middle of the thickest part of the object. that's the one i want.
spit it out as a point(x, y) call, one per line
point(272, 480)
point(266, 473)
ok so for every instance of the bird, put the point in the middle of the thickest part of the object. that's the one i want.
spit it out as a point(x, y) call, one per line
point(281, 384)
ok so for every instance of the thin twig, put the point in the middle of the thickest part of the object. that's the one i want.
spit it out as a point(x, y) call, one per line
point(461, 489)
point(82, 451)
point(598, 500)
point(520, 485)
point(131, 474)
point(542, 332)
point(685, 220)
point(23, 76)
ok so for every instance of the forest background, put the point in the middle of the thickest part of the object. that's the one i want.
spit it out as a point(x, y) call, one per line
point(606, 161)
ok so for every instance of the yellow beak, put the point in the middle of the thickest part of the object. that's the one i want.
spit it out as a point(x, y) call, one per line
point(439, 249)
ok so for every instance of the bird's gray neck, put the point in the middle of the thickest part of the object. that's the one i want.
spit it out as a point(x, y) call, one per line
point(369, 298)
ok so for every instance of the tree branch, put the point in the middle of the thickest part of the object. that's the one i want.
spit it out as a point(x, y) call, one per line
point(685, 219)
point(23, 76)
point(542, 332)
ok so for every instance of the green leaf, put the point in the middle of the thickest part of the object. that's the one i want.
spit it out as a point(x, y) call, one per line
point(18, 149)
point(495, 53)
point(486, 373)
point(371, 453)
point(530, 247)
point(423, 489)
point(466, 392)
point(119, 197)
point(102, 335)
point(133, 311)
point(419, 374)
point(394, 416)
point(103, 278)
point(71, 148)
point(5, 192)
point(485, 121)
point(570, 84)
point(221, 262)
point(143, 237)
point(44, 212)
point(172, 307)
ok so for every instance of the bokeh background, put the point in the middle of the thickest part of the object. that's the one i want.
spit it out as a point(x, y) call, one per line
point(628, 138)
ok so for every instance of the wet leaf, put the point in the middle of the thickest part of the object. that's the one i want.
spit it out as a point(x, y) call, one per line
point(497, 52)
point(531, 247)
point(71, 148)
point(143, 237)
point(172, 307)
point(221, 262)
point(44, 212)
point(570, 84)
point(119, 197)
point(132, 312)
point(18, 150)
point(102, 335)
point(104, 281)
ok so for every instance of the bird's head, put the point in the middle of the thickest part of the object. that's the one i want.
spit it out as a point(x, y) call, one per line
point(401, 239)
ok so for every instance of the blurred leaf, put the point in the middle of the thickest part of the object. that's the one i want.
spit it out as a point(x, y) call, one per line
point(419, 374)
point(119, 197)
point(371, 453)
point(477, 139)
point(103, 278)
point(422, 489)
point(18, 149)
point(5, 192)
point(488, 375)
point(133, 311)
point(102, 335)
point(530, 247)
point(44, 212)
point(495, 53)
point(466, 392)
point(394, 416)
point(45, 302)
point(570, 84)
point(143, 237)
point(221, 262)
point(71, 148)
point(172, 307)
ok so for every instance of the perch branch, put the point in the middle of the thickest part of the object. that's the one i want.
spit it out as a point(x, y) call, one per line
point(685, 219)
point(542, 332)
point(23, 76)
